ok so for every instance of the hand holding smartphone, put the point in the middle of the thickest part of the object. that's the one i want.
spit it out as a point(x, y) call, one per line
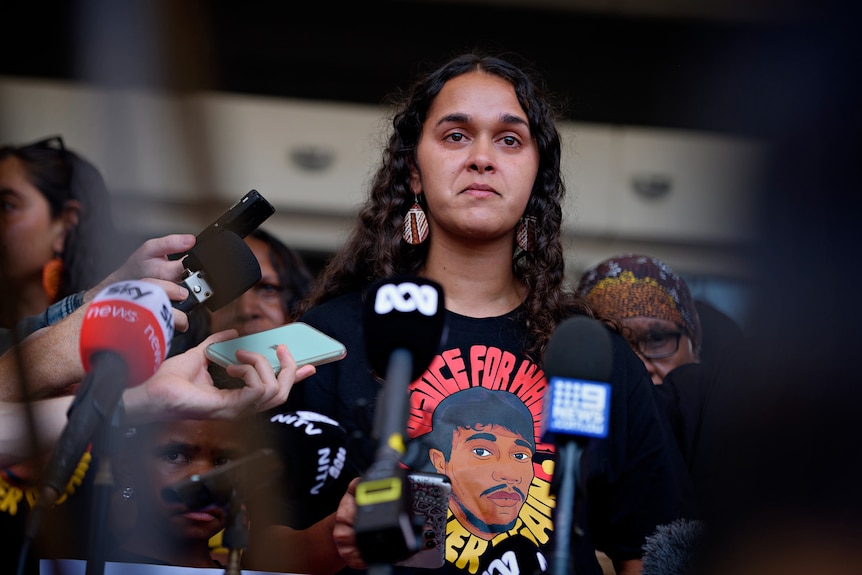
point(308, 346)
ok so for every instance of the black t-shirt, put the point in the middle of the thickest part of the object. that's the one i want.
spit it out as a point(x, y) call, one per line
point(63, 531)
point(632, 477)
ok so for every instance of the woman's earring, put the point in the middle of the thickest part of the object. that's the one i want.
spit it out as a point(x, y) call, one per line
point(415, 225)
point(52, 273)
point(526, 233)
point(128, 493)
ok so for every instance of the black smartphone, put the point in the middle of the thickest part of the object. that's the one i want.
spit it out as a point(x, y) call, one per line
point(241, 218)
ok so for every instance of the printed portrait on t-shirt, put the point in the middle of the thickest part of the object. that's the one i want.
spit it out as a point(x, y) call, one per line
point(482, 439)
point(477, 419)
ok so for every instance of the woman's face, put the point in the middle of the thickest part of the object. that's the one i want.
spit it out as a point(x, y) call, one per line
point(679, 347)
point(259, 308)
point(477, 160)
point(29, 236)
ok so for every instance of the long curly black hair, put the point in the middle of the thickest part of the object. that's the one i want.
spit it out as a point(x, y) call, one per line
point(374, 250)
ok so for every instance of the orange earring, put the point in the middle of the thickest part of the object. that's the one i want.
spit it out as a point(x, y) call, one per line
point(52, 273)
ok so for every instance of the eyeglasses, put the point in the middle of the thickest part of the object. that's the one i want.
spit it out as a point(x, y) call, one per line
point(55, 143)
point(268, 291)
point(655, 344)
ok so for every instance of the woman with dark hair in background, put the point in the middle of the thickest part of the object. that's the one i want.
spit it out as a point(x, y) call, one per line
point(57, 236)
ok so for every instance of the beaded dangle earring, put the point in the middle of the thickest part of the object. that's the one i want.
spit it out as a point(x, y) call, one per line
point(415, 224)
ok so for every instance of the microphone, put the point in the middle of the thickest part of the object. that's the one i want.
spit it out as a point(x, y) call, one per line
point(216, 487)
point(314, 441)
point(125, 336)
point(672, 548)
point(404, 312)
point(577, 362)
point(404, 321)
point(219, 268)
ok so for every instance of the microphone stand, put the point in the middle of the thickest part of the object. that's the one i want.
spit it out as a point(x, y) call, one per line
point(235, 537)
point(386, 522)
point(105, 448)
point(570, 457)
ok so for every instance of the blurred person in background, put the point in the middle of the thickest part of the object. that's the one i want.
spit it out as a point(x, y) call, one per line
point(147, 528)
point(651, 305)
point(274, 300)
point(57, 236)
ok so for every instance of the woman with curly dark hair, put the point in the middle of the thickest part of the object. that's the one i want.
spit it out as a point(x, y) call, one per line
point(469, 195)
point(532, 277)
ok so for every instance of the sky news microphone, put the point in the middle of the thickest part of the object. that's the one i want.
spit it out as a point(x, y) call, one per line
point(404, 321)
point(218, 269)
point(125, 336)
point(578, 363)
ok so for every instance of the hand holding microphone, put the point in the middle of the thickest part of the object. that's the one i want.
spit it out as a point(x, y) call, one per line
point(124, 338)
point(221, 266)
point(150, 260)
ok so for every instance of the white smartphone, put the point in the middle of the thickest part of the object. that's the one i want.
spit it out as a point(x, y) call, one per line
point(307, 345)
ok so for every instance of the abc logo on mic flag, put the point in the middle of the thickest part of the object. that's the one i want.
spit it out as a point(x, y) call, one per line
point(406, 297)
point(125, 317)
point(577, 407)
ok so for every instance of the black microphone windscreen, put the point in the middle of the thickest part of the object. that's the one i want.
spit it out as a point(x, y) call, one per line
point(404, 312)
point(578, 365)
point(580, 348)
point(314, 448)
point(230, 266)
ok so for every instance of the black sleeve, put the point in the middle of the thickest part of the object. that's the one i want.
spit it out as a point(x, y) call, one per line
point(636, 476)
point(337, 391)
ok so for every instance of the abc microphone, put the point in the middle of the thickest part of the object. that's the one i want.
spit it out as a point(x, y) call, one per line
point(219, 269)
point(578, 363)
point(125, 336)
point(404, 320)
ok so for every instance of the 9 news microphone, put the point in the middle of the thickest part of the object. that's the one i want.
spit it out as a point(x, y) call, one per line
point(578, 363)
point(219, 269)
point(125, 336)
point(404, 320)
